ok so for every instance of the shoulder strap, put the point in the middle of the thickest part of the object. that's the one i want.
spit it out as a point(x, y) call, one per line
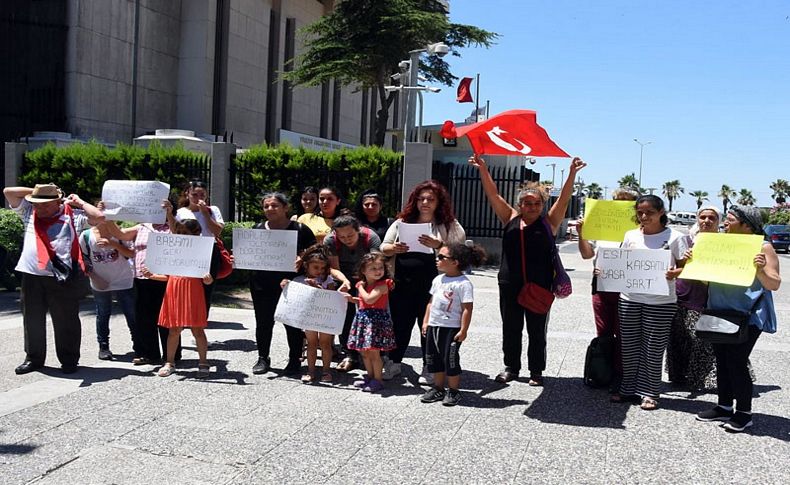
point(523, 256)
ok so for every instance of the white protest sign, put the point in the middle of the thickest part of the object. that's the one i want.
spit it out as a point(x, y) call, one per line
point(179, 255)
point(134, 200)
point(409, 234)
point(303, 306)
point(634, 270)
point(264, 250)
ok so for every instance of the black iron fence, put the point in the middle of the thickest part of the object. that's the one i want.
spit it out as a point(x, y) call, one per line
point(469, 201)
point(248, 183)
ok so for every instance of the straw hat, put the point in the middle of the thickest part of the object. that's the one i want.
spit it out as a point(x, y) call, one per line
point(44, 193)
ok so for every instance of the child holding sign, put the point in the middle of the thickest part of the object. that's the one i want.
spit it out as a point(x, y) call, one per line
point(184, 306)
point(314, 270)
point(371, 331)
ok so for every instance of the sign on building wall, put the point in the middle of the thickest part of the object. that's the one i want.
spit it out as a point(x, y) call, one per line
point(311, 142)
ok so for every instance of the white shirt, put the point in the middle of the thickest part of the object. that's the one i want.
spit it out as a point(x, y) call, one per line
point(448, 293)
point(109, 265)
point(670, 239)
point(184, 213)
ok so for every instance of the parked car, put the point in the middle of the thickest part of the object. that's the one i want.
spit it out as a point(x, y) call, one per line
point(684, 218)
point(779, 235)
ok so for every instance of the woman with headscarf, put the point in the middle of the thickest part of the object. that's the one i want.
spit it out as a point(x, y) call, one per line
point(690, 360)
point(734, 385)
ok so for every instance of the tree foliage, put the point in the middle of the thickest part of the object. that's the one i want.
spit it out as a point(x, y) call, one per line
point(745, 197)
point(630, 181)
point(593, 191)
point(362, 41)
point(781, 189)
point(726, 193)
point(672, 191)
point(700, 195)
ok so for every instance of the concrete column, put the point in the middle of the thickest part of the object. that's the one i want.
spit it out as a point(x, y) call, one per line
point(220, 177)
point(417, 166)
point(14, 155)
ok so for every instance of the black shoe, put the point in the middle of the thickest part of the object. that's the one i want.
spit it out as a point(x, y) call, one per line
point(262, 366)
point(27, 367)
point(716, 414)
point(104, 352)
point(144, 361)
point(69, 368)
point(739, 422)
point(433, 395)
point(293, 366)
point(452, 397)
point(506, 375)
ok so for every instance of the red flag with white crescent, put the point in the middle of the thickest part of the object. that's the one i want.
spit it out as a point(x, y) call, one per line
point(514, 132)
point(464, 94)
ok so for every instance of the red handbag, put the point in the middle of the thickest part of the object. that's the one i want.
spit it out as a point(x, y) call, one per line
point(225, 261)
point(533, 297)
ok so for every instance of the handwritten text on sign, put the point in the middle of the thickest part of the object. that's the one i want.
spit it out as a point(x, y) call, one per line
point(303, 306)
point(179, 255)
point(634, 270)
point(607, 220)
point(265, 250)
point(724, 258)
point(134, 200)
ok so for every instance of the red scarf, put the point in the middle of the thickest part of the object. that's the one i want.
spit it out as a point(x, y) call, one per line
point(44, 245)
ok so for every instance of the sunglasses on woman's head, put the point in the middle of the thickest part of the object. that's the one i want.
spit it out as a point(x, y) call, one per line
point(442, 257)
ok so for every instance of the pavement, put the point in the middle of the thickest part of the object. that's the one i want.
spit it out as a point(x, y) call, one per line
point(115, 423)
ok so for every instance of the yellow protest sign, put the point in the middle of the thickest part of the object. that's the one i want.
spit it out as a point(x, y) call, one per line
point(607, 220)
point(724, 258)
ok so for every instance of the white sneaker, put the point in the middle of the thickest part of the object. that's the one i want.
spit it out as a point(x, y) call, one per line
point(426, 378)
point(390, 371)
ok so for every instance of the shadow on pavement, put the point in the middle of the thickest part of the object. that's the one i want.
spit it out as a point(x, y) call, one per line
point(566, 400)
point(95, 375)
point(187, 369)
point(16, 449)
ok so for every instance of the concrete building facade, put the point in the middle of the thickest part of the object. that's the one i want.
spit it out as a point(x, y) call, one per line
point(209, 66)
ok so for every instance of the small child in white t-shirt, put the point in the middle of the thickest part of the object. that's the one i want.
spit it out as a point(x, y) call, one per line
point(447, 320)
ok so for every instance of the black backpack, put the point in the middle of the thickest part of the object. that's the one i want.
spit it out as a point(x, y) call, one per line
point(599, 362)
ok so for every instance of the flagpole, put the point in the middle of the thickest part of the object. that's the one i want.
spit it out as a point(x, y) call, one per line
point(488, 101)
point(477, 98)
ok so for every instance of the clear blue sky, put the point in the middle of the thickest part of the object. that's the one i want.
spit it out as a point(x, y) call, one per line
point(708, 82)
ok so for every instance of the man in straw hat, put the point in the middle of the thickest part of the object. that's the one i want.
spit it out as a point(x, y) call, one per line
point(49, 261)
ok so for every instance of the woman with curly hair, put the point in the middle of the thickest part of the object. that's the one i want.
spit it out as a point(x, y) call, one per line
point(429, 203)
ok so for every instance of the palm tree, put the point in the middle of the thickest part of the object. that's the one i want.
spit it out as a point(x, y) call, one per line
point(594, 191)
point(745, 197)
point(672, 191)
point(701, 196)
point(781, 190)
point(726, 193)
point(630, 182)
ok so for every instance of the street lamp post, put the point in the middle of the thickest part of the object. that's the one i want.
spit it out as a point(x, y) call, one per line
point(439, 49)
point(641, 153)
point(553, 167)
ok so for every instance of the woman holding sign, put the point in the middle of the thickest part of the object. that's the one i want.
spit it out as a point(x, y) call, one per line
point(527, 255)
point(415, 268)
point(733, 381)
point(265, 286)
point(645, 319)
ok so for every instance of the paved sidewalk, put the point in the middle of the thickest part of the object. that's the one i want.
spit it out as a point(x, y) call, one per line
point(116, 423)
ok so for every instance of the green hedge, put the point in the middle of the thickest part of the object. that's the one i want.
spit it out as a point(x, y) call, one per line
point(287, 169)
point(11, 236)
point(82, 168)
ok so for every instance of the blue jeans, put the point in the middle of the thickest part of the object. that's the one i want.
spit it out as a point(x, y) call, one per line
point(103, 301)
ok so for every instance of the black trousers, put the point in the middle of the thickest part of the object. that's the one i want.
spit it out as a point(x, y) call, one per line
point(265, 303)
point(407, 306)
point(42, 294)
point(513, 316)
point(351, 312)
point(732, 372)
point(147, 335)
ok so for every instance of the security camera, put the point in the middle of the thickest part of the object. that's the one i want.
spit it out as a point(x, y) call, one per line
point(396, 76)
point(404, 65)
point(439, 48)
point(433, 89)
point(531, 160)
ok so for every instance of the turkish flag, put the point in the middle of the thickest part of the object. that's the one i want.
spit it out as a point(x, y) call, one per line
point(464, 94)
point(514, 132)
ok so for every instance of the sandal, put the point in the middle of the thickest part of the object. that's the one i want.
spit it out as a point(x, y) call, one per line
point(166, 370)
point(204, 370)
point(535, 381)
point(326, 377)
point(649, 404)
point(346, 365)
point(308, 378)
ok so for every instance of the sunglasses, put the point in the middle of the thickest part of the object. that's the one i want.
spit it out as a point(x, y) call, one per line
point(442, 257)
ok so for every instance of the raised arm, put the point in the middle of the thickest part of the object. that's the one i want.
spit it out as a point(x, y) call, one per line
point(90, 210)
point(504, 211)
point(585, 248)
point(557, 211)
point(15, 195)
